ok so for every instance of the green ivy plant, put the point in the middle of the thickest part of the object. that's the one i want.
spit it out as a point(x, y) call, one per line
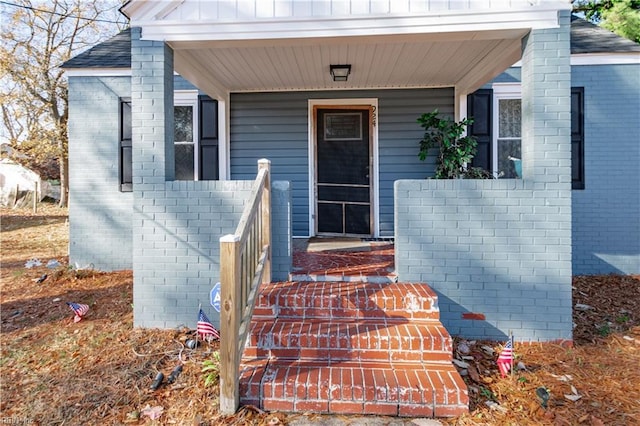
point(211, 369)
point(454, 149)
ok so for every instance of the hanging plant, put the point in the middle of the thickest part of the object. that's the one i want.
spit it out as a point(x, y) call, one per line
point(455, 151)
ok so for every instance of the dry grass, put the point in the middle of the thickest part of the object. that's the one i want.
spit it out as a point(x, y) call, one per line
point(99, 371)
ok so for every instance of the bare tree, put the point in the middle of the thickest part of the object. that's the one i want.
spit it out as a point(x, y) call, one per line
point(37, 38)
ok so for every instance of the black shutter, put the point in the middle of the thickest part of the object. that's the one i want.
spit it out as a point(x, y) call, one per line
point(577, 138)
point(208, 135)
point(125, 162)
point(479, 107)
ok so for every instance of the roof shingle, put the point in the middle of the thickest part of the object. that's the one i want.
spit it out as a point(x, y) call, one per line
point(112, 53)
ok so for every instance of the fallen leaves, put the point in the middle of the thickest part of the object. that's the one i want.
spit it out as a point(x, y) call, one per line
point(592, 383)
point(100, 370)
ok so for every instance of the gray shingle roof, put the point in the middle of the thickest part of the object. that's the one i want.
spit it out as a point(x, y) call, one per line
point(112, 53)
point(585, 38)
point(589, 38)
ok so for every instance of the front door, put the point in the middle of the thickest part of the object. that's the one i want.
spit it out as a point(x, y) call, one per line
point(343, 171)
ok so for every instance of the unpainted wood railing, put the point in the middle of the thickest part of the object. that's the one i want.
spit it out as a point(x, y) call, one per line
point(245, 263)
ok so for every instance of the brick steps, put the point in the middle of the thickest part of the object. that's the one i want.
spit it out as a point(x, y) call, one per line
point(354, 300)
point(407, 389)
point(366, 340)
point(350, 347)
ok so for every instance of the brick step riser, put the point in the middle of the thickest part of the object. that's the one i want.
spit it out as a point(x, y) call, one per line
point(359, 303)
point(269, 313)
point(431, 391)
point(368, 355)
point(414, 340)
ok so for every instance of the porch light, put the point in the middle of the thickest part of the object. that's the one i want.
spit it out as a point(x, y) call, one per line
point(340, 72)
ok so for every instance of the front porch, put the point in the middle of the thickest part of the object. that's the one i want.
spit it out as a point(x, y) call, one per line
point(343, 259)
point(487, 248)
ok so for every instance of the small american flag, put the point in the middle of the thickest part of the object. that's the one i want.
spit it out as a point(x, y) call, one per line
point(205, 328)
point(505, 360)
point(79, 309)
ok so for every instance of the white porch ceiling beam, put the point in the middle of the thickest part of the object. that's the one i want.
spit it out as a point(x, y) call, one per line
point(366, 25)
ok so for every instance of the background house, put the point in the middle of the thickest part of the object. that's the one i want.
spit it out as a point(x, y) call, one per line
point(154, 196)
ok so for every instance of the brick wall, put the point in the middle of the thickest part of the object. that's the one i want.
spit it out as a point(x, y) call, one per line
point(606, 218)
point(491, 247)
point(177, 224)
point(498, 252)
point(100, 232)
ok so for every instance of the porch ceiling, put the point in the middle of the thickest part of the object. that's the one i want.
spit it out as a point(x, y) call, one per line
point(465, 60)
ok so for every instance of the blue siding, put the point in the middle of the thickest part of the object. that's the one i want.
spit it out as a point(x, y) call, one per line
point(275, 126)
point(606, 214)
point(399, 134)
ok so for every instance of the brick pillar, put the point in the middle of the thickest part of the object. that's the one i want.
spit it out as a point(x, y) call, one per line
point(152, 111)
point(546, 161)
point(153, 165)
point(546, 106)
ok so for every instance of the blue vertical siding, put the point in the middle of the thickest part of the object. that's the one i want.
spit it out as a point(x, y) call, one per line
point(399, 135)
point(275, 126)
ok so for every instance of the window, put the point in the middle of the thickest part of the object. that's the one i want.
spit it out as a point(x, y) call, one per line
point(195, 138)
point(506, 149)
point(124, 146)
point(185, 135)
point(497, 126)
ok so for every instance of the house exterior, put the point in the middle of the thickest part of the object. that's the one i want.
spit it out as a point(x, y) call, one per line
point(168, 119)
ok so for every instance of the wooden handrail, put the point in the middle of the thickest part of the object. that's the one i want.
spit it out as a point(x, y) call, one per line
point(245, 263)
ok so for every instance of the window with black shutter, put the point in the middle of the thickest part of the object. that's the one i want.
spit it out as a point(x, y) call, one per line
point(191, 148)
point(480, 108)
point(124, 152)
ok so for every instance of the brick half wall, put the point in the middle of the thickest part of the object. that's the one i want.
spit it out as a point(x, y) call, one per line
point(177, 259)
point(492, 248)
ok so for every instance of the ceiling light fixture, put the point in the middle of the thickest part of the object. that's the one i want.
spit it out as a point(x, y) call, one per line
point(340, 72)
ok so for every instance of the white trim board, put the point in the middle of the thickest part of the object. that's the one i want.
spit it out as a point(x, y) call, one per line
point(600, 59)
point(98, 72)
point(373, 102)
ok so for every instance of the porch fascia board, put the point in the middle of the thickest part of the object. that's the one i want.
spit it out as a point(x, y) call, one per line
point(544, 16)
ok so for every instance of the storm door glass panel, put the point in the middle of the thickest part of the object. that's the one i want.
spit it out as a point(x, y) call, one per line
point(184, 144)
point(509, 152)
point(343, 181)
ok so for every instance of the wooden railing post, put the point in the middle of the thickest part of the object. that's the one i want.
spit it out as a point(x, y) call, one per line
point(266, 217)
point(229, 323)
point(245, 263)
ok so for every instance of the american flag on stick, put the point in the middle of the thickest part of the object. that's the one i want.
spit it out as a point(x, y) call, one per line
point(505, 360)
point(205, 329)
point(79, 309)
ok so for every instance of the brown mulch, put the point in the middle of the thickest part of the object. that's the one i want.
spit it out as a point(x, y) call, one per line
point(99, 370)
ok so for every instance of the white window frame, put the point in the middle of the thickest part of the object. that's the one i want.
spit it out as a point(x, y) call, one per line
point(501, 91)
point(190, 98)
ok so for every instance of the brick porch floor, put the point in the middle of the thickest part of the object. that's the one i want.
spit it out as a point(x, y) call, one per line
point(343, 337)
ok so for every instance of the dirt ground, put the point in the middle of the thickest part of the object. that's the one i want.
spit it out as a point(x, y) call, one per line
point(99, 370)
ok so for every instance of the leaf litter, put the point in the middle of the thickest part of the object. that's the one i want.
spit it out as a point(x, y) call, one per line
point(99, 371)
